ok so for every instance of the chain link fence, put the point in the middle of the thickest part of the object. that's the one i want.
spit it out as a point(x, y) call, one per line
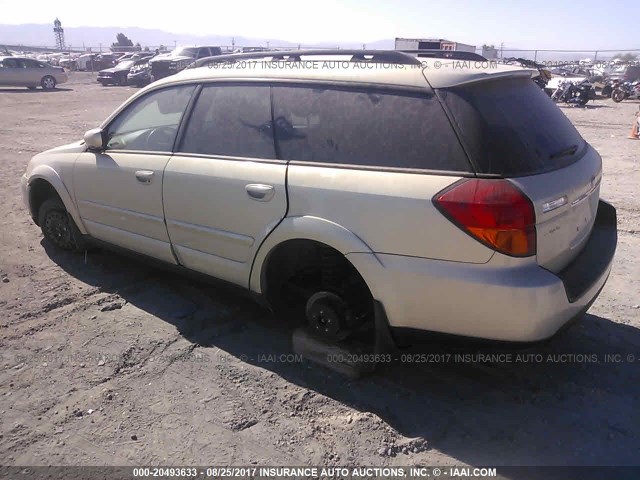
point(72, 49)
point(547, 56)
point(552, 57)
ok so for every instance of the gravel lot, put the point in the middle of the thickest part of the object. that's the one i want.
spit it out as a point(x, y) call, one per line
point(106, 361)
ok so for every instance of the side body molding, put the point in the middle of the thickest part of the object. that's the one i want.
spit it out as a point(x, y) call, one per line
point(304, 228)
point(47, 173)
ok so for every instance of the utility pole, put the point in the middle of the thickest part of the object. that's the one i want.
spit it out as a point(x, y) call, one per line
point(501, 47)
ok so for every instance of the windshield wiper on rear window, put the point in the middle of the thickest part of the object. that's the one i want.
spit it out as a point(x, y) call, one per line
point(565, 152)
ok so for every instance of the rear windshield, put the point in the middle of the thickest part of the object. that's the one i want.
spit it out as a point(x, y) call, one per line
point(512, 128)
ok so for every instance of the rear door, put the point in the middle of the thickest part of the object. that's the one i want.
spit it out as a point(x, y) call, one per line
point(34, 71)
point(370, 160)
point(512, 129)
point(224, 189)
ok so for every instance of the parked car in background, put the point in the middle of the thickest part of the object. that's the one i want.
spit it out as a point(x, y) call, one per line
point(30, 73)
point(573, 73)
point(354, 200)
point(140, 73)
point(115, 75)
point(84, 62)
point(106, 60)
point(625, 73)
point(126, 56)
point(118, 75)
point(179, 59)
point(69, 62)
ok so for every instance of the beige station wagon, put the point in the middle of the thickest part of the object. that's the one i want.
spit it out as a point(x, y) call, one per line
point(365, 193)
point(30, 73)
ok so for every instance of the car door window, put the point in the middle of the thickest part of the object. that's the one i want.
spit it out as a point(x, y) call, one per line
point(203, 52)
point(365, 127)
point(30, 63)
point(12, 63)
point(231, 120)
point(151, 123)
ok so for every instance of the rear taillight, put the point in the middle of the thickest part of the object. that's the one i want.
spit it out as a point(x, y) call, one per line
point(494, 212)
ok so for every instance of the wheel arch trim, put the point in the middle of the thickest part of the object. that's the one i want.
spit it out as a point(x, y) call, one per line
point(49, 175)
point(304, 228)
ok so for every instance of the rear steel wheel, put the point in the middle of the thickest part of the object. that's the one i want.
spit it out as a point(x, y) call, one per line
point(48, 83)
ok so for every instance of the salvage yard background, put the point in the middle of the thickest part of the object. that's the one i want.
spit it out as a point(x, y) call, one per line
point(107, 361)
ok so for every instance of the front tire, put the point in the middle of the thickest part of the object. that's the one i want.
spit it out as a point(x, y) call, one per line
point(48, 83)
point(617, 96)
point(58, 227)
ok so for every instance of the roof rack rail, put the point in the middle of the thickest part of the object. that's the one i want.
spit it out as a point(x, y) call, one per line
point(448, 54)
point(370, 56)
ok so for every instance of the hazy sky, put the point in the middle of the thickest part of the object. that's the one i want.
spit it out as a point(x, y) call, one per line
point(582, 24)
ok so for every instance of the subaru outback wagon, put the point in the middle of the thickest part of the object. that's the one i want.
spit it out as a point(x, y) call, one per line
point(376, 192)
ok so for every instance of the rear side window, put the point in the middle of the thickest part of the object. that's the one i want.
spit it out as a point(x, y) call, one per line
point(367, 128)
point(512, 128)
point(231, 121)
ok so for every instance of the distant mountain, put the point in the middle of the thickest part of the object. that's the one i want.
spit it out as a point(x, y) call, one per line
point(38, 35)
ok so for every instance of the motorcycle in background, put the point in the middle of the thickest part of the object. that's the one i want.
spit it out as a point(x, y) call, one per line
point(573, 93)
point(626, 91)
point(609, 86)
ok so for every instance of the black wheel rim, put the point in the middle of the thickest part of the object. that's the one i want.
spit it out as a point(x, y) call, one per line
point(58, 230)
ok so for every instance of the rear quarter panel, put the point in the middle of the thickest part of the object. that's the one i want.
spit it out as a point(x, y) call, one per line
point(390, 212)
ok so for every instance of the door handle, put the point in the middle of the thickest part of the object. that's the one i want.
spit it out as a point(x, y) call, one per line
point(260, 192)
point(144, 176)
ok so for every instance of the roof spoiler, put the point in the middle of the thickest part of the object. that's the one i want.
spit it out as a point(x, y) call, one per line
point(489, 77)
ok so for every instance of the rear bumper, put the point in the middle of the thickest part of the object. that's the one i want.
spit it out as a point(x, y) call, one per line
point(595, 258)
point(500, 300)
point(24, 187)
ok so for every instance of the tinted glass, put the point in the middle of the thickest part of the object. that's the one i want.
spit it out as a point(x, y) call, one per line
point(12, 63)
point(186, 52)
point(151, 123)
point(368, 128)
point(231, 121)
point(511, 127)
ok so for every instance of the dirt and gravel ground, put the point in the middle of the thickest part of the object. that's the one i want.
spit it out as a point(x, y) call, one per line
point(106, 361)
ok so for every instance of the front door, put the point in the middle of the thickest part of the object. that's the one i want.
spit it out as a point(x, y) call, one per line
point(119, 190)
point(224, 189)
